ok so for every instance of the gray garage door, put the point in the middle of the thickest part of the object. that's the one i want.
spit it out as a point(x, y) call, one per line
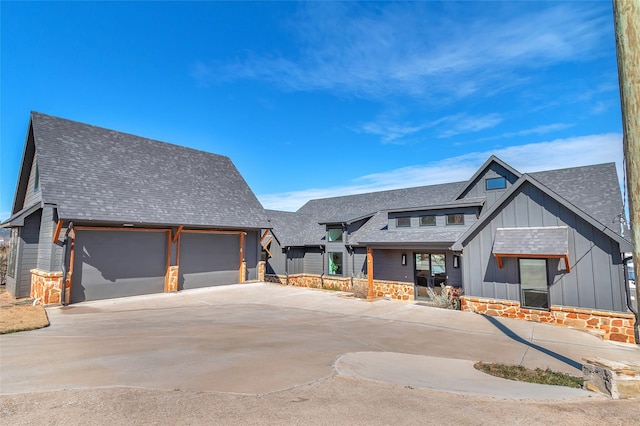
point(208, 260)
point(112, 264)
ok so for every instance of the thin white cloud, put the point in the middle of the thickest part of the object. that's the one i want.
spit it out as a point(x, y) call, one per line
point(414, 49)
point(452, 125)
point(538, 130)
point(555, 154)
point(467, 124)
point(390, 132)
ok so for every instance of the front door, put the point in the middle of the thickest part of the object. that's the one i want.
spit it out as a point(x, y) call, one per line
point(430, 272)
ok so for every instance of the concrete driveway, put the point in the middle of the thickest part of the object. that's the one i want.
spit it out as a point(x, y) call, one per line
point(262, 338)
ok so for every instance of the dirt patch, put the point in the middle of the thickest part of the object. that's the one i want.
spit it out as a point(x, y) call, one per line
point(20, 314)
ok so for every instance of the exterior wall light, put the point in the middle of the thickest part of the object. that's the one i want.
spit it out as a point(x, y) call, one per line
point(456, 261)
point(404, 259)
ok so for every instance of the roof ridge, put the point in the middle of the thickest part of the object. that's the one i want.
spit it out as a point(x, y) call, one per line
point(128, 134)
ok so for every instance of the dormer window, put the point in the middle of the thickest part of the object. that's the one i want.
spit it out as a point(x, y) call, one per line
point(455, 219)
point(403, 222)
point(495, 183)
point(335, 234)
point(427, 221)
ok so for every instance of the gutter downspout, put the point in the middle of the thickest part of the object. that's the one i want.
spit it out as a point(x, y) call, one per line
point(67, 251)
point(352, 253)
point(286, 265)
point(627, 290)
point(322, 274)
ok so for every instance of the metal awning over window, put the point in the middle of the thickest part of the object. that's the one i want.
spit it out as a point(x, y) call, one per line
point(549, 242)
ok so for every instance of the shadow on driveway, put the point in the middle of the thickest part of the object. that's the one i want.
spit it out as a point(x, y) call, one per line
point(507, 331)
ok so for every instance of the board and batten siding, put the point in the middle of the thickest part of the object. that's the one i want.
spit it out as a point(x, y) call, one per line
point(32, 195)
point(50, 255)
point(358, 262)
point(275, 262)
point(27, 254)
point(596, 280)
point(295, 260)
point(252, 254)
point(478, 188)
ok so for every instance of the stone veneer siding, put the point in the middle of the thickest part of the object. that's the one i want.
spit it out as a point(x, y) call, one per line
point(46, 286)
point(358, 286)
point(262, 268)
point(172, 279)
point(616, 326)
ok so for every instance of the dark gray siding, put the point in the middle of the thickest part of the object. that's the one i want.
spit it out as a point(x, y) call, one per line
point(32, 195)
point(313, 260)
point(251, 254)
point(295, 260)
point(358, 263)
point(49, 254)
point(275, 263)
point(470, 216)
point(387, 266)
point(454, 275)
point(11, 266)
point(112, 264)
point(595, 280)
point(208, 260)
point(27, 254)
point(477, 188)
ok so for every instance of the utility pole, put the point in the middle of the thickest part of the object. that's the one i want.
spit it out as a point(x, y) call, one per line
point(626, 17)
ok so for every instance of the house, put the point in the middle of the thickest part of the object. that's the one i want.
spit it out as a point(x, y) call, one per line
point(100, 214)
point(543, 246)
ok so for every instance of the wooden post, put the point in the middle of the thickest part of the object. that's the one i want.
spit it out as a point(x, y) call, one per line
point(370, 294)
point(626, 17)
point(56, 233)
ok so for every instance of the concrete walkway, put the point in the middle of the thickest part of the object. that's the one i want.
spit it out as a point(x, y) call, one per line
point(262, 338)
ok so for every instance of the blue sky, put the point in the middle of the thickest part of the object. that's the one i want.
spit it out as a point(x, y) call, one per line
point(321, 99)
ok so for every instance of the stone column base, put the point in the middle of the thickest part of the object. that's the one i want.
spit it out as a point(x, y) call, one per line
point(172, 279)
point(46, 287)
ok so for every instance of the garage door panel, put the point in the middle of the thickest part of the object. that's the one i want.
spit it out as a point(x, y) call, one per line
point(112, 264)
point(208, 260)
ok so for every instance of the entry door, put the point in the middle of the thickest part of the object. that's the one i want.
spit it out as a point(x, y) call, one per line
point(430, 272)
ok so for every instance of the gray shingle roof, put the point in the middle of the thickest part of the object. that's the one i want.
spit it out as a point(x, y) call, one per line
point(345, 208)
point(550, 240)
point(294, 229)
point(97, 174)
point(375, 231)
point(594, 189)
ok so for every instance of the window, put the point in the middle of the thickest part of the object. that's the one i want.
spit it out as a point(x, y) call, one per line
point(455, 219)
point(335, 263)
point(533, 283)
point(335, 234)
point(13, 248)
point(403, 222)
point(495, 183)
point(427, 221)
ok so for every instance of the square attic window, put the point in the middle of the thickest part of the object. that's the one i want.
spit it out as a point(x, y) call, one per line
point(427, 221)
point(335, 234)
point(403, 222)
point(495, 183)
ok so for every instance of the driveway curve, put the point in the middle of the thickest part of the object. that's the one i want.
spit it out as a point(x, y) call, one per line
point(261, 338)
